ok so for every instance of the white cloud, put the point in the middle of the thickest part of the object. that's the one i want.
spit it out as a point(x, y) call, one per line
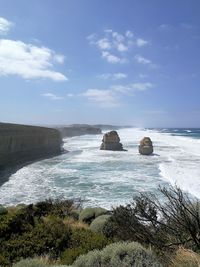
point(29, 61)
point(121, 47)
point(118, 37)
point(5, 25)
point(146, 61)
point(112, 58)
point(130, 88)
point(129, 34)
point(104, 44)
point(111, 96)
point(113, 76)
point(103, 98)
point(141, 86)
point(141, 42)
point(164, 27)
point(52, 96)
point(59, 58)
point(142, 60)
point(92, 38)
point(116, 43)
point(70, 95)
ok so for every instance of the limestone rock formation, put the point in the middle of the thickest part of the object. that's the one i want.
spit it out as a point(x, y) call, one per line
point(111, 141)
point(20, 144)
point(146, 146)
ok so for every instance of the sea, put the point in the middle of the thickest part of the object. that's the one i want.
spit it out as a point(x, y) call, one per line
point(110, 178)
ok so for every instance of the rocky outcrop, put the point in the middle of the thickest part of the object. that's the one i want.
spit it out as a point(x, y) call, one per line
point(20, 144)
point(111, 141)
point(78, 130)
point(146, 146)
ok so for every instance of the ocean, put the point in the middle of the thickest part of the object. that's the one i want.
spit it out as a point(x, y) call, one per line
point(108, 178)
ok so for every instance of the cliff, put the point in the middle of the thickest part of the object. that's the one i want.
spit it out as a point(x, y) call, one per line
point(20, 144)
point(77, 130)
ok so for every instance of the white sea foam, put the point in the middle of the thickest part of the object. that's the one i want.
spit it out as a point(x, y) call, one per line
point(108, 178)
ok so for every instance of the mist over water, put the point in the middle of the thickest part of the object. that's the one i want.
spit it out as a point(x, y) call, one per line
point(108, 178)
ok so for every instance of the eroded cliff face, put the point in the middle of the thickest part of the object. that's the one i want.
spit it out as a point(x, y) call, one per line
point(78, 130)
point(20, 144)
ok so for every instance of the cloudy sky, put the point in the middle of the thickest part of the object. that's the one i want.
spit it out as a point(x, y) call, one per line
point(133, 62)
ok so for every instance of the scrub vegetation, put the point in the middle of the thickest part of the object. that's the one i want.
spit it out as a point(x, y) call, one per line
point(146, 232)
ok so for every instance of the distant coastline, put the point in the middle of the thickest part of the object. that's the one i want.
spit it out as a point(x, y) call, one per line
point(21, 145)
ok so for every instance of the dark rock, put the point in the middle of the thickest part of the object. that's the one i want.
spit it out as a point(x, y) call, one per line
point(111, 141)
point(20, 144)
point(146, 146)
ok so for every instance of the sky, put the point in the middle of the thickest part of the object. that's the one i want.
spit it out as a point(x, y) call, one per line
point(122, 62)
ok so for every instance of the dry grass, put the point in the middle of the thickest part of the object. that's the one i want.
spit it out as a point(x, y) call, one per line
point(75, 224)
point(185, 258)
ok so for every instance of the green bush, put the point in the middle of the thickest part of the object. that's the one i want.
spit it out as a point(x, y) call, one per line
point(50, 236)
point(89, 214)
point(117, 255)
point(3, 210)
point(82, 241)
point(98, 224)
point(30, 263)
point(15, 223)
point(57, 207)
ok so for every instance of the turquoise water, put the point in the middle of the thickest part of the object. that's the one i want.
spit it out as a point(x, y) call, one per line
point(107, 178)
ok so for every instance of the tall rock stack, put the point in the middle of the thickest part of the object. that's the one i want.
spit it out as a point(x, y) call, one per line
point(146, 146)
point(111, 141)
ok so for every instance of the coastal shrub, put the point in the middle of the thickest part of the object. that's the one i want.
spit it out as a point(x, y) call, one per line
point(82, 241)
point(50, 237)
point(3, 210)
point(57, 207)
point(98, 224)
point(75, 213)
point(89, 214)
point(16, 223)
point(164, 225)
point(185, 258)
point(30, 263)
point(119, 254)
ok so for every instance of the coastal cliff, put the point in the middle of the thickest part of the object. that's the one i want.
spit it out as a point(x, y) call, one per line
point(78, 130)
point(20, 144)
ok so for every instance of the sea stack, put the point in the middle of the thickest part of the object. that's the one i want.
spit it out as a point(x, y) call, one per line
point(111, 141)
point(146, 146)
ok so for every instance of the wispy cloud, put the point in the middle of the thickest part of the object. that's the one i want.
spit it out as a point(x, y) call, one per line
point(112, 40)
point(103, 98)
point(52, 96)
point(175, 27)
point(112, 58)
point(5, 25)
point(113, 76)
point(164, 27)
point(141, 75)
point(187, 26)
point(29, 61)
point(141, 42)
point(104, 44)
point(133, 87)
point(111, 97)
point(142, 60)
point(114, 45)
point(145, 61)
point(129, 34)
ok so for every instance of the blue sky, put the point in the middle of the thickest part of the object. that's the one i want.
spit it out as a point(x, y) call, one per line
point(120, 62)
